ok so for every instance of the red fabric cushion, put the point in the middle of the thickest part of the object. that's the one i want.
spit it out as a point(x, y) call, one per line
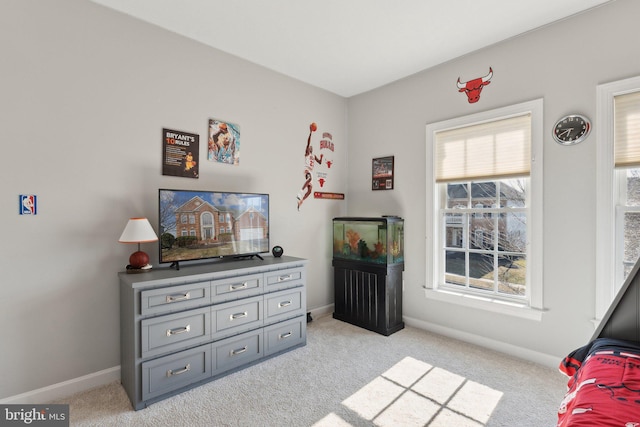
point(605, 391)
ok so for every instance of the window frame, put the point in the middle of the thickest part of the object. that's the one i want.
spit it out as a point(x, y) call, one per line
point(533, 306)
point(609, 240)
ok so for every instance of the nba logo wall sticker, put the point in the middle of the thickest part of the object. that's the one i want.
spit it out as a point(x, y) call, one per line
point(28, 204)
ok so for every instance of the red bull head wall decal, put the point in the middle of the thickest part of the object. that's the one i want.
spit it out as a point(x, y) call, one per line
point(473, 87)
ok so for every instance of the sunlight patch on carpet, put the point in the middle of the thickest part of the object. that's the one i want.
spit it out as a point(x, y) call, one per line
point(414, 393)
point(373, 398)
point(439, 385)
point(407, 372)
point(332, 420)
point(475, 400)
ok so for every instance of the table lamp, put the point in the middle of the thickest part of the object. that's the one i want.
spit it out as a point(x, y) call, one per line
point(138, 230)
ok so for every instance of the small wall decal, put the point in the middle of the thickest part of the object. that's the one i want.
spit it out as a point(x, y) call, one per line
point(310, 160)
point(28, 204)
point(473, 87)
point(324, 195)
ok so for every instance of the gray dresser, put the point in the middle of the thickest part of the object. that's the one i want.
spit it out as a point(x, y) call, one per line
point(182, 328)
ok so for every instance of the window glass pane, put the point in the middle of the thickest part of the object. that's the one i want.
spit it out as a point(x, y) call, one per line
point(512, 193)
point(629, 203)
point(483, 194)
point(512, 235)
point(631, 239)
point(455, 268)
point(512, 274)
point(455, 232)
point(481, 268)
point(482, 233)
point(457, 195)
point(633, 187)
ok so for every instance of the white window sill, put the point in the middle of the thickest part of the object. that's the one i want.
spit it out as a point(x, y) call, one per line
point(488, 304)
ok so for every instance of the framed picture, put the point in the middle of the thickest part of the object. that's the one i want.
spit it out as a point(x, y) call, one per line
point(180, 153)
point(224, 142)
point(382, 173)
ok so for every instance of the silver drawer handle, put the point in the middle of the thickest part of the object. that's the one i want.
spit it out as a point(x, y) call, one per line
point(238, 315)
point(171, 372)
point(238, 286)
point(284, 304)
point(283, 336)
point(176, 298)
point(285, 278)
point(239, 351)
point(178, 330)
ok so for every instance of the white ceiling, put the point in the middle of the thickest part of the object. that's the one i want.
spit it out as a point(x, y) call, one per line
point(350, 46)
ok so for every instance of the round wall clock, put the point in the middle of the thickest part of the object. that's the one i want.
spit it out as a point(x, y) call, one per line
point(572, 129)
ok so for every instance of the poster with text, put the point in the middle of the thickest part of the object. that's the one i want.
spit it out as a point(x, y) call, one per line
point(382, 173)
point(224, 142)
point(180, 153)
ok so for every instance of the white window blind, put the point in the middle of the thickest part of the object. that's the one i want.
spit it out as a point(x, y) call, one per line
point(626, 132)
point(488, 150)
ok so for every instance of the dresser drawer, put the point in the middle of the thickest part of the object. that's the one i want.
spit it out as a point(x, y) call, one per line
point(237, 316)
point(238, 350)
point(175, 298)
point(283, 304)
point(237, 287)
point(177, 370)
point(175, 331)
point(282, 279)
point(283, 335)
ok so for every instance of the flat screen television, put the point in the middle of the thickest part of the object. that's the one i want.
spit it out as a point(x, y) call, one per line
point(197, 225)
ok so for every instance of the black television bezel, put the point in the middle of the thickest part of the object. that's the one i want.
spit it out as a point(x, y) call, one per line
point(235, 255)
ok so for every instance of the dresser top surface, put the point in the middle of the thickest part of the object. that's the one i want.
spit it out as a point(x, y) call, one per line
point(208, 271)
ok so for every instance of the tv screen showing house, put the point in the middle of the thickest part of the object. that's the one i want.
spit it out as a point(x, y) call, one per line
point(211, 224)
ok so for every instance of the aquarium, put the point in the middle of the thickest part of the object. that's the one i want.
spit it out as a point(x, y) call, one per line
point(372, 240)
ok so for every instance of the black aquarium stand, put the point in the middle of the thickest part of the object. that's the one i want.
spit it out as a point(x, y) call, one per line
point(369, 295)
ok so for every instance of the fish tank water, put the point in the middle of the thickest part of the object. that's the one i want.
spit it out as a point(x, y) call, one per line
point(371, 240)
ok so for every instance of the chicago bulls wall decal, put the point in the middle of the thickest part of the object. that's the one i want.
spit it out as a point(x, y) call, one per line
point(473, 87)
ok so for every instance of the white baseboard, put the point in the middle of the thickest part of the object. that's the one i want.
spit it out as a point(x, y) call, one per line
point(66, 388)
point(321, 311)
point(522, 353)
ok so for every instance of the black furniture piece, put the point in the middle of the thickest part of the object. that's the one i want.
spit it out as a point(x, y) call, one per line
point(368, 261)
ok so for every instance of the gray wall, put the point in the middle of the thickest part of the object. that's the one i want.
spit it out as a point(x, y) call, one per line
point(86, 92)
point(561, 63)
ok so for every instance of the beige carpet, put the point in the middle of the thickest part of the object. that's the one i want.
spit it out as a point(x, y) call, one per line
point(347, 376)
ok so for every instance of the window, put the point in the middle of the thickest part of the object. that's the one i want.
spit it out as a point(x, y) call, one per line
point(493, 260)
point(207, 225)
point(618, 192)
point(485, 182)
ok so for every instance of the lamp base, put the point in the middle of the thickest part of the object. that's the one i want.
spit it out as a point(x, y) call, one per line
point(139, 259)
point(143, 269)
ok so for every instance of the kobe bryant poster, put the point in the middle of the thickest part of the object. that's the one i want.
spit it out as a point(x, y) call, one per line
point(180, 153)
